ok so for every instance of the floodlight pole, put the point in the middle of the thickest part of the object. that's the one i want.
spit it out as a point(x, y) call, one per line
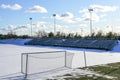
point(54, 15)
point(81, 32)
point(31, 25)
point(90, 11)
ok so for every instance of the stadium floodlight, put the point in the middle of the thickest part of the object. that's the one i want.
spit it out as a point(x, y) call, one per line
point(54, 15)
point(31, 25)
point(90, 11)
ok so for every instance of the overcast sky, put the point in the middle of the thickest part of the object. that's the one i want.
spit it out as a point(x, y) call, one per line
point(71, 15)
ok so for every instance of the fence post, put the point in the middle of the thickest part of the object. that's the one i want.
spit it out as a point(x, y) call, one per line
point(65, 58)
point(85, 59)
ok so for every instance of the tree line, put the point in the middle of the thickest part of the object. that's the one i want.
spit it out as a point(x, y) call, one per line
point(98, 35)
point(43, 34)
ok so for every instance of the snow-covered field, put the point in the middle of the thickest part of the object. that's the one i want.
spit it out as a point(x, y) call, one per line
point(10, 56)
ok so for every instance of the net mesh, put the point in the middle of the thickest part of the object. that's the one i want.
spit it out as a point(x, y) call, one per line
point(45, 61)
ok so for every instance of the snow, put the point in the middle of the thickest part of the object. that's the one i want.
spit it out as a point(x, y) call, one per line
point(10, 55)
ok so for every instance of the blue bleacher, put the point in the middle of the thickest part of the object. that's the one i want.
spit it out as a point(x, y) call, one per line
point(77, 43)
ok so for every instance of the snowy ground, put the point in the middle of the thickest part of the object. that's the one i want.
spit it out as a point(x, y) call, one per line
point(10, 57)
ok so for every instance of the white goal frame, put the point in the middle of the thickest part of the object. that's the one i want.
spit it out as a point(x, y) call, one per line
point(25, 60)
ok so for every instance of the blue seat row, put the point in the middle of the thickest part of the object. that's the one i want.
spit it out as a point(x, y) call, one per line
point(77, 43)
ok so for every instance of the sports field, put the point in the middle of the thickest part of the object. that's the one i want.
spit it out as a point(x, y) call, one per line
point(10, 57)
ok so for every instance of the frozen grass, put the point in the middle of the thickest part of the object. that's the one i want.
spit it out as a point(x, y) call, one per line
point(86, 77)
point(109, 69)
point(99, 72)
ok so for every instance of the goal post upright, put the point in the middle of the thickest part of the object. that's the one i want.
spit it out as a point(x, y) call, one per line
point(26, 69)
point(22, 63)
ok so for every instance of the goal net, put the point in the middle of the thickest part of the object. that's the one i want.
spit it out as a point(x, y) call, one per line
point(45, 61)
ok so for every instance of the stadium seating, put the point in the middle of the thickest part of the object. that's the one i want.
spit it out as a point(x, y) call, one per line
point(77, 43)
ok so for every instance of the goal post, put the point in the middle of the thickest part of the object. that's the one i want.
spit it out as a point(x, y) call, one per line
point(38, 62)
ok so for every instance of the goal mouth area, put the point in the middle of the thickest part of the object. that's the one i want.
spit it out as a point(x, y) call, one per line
point(42, 62)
